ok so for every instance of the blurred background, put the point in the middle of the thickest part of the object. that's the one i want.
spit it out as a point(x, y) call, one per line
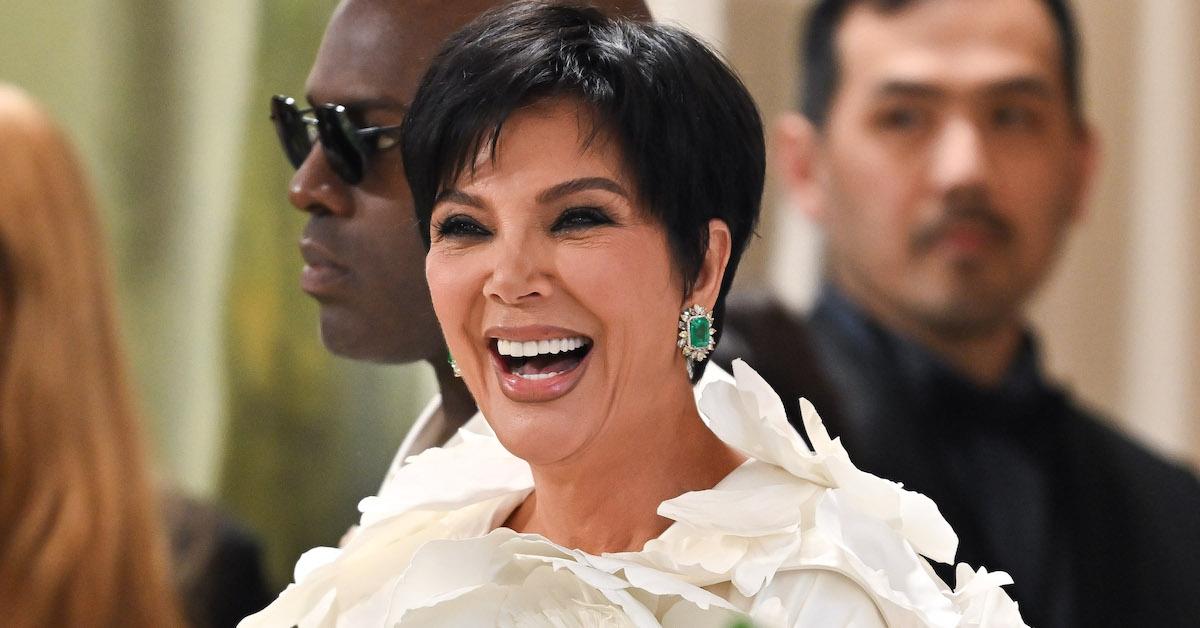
point(168, 102)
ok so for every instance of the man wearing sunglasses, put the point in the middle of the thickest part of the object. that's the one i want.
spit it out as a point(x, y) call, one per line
point(364, 261)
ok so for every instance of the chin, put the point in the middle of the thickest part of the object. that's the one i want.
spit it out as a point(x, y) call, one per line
point(355, 340)
point(539, 437)
point(966, 317)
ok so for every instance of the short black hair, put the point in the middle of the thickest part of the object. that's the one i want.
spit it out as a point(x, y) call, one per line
point(818, 52)
point(686, 127)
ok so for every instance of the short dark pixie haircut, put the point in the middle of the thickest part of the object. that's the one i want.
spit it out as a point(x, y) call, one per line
point(687, 129)
point(818, 52)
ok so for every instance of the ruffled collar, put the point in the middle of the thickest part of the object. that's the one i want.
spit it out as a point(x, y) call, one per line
point(787, 508)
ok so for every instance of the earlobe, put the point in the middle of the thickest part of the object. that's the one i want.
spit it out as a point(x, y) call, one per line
point(795, 159)
point(712, 270)
point(1087, 156)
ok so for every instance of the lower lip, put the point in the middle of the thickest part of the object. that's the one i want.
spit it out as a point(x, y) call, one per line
point(321, 280)
point(966, 241)
point(523, 390)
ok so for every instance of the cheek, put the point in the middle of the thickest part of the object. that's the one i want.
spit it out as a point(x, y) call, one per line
point(628, 285)
point(452, 283)
point(877, 171)
point(875, 201)
point(1038, 201)
point(1039, 235)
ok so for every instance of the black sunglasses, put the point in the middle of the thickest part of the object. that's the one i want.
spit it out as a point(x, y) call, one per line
point(348, 148)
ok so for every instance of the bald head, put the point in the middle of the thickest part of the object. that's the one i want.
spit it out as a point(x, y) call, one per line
point(416, 29)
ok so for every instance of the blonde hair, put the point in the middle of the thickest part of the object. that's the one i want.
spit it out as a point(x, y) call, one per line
point(80, 538)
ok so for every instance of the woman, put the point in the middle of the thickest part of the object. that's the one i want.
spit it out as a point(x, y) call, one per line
point(586, 187)
point(79, 537)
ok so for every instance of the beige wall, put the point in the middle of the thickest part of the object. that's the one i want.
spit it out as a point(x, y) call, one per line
point(1120, 316)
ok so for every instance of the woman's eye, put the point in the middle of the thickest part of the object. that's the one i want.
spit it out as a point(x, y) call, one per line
point(460, 226)
point(580, 218)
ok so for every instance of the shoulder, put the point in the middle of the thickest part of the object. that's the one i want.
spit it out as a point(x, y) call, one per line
point(1152, 504)
point(761, 330)
point(1125, 460)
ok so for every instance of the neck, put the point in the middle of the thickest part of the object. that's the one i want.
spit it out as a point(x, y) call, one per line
point(457, 404)
point(981, 353)
point(982, 358)
point(606, 500)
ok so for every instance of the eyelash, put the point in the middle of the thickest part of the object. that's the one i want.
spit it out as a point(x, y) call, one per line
point(581, 218)
point(460, 226)
point(463, 226)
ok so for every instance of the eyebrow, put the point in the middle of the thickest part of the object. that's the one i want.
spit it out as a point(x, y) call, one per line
point(1029, 85)
point(549, 195)
point(908, 88)
point(458, 197)
point(566, 188)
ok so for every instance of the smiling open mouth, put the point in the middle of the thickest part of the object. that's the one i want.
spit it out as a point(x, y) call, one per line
point(541, 359)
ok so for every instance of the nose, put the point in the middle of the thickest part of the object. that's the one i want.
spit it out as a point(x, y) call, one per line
point(316, 189)
point(959, 156)
point(520, 273)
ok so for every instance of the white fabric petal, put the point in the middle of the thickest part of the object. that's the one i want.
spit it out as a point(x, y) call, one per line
point(749, 417)
point(816, 598)
point(796, 536)
point(313, 559)
point(746, 512)
point(982, 602)
point(913, 514)
point(874, 554)
point(477, 468)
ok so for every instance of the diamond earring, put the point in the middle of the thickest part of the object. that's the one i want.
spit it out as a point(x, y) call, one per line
point(696, 333)
point(453, 366)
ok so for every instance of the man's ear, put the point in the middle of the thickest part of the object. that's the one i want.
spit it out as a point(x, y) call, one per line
point(796, 146)
point(712, 269)
point(1087, 154)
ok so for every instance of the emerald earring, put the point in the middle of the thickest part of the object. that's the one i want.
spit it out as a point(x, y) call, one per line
point(696, 335)
point(453, 365)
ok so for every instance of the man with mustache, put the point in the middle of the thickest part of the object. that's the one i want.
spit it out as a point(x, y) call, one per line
point(364, 261)
point(943, 149)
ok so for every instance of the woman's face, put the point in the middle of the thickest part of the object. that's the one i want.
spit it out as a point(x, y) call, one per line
point(555, 290)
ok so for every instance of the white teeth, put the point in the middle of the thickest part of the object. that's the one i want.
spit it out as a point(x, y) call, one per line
point(536, 376)
point(530, 348)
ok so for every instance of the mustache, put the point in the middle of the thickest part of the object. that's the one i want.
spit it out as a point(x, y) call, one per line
point(977, 212)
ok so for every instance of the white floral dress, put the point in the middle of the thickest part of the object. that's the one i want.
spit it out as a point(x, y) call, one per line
point(792, 537)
